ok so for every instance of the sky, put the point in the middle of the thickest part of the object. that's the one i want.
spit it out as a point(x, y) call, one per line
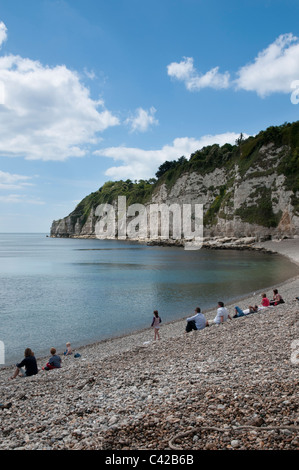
point(95, 90)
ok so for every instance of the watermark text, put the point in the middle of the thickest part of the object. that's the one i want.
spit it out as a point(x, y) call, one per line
point(2, 353)
point(152, 222)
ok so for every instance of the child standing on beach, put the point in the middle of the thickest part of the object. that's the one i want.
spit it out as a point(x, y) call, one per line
point(156, 324)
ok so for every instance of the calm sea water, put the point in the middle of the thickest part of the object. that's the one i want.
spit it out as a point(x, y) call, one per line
point(58, 290)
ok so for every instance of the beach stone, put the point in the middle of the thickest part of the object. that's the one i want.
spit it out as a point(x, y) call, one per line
point(235, 443)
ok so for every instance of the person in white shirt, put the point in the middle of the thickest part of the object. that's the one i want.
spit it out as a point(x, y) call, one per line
point(197, 322)
point(222, 314)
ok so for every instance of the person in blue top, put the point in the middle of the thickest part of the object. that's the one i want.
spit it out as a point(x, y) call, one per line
point(197, 322)
point(27, 367)
point(54, 361)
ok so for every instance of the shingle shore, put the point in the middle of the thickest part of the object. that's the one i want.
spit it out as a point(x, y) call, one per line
point(133, 393)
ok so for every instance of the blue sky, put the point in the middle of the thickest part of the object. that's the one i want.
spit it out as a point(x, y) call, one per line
point(98, 90)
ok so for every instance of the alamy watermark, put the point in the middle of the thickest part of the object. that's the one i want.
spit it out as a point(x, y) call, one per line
point(2, 93)
point(295, 352)
point(295, 93)
point(2, 353)
point(152, 222)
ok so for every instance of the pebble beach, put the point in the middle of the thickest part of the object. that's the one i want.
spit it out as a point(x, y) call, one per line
point(232, 387)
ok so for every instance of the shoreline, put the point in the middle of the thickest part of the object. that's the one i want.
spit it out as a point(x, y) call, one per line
point(250, 298)
point(177, 326)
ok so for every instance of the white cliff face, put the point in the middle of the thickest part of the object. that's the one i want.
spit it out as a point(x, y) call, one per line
point(237, 203)
point(247, 191)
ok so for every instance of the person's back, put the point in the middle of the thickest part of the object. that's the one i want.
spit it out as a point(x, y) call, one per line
point(156, 321)
point(30, 365)
point(200, 321)
point(196, 322)
point(55, 361)
point(222, 314)
point(265, 301)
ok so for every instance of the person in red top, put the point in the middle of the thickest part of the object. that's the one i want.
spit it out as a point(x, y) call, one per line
point(265, 301)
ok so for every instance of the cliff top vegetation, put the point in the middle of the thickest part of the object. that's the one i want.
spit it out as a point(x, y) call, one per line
point(246, 154)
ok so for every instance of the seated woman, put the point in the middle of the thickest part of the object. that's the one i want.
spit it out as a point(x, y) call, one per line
point(27, 367)
point(277, 299)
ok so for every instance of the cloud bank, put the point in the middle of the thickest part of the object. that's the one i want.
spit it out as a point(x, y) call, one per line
point(46, 112)
point(142, 164)
point(142, 120)
point(272, 71)
point(274, 68)
point(13, 181)
point(3, 33)
point(194, 81)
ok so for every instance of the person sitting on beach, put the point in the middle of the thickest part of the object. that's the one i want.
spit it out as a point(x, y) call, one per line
point(54, 361)
point(253, 309)
point(241, 313)
point(68, 350)
point(277, 299)
point(265, 301)
point(238, 312)
point(29, 363)
point(156, 324)
point(222, 314)
point(197, 322)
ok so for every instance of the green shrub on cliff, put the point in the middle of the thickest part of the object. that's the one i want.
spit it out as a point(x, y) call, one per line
point(274, 149)
point(140, 192)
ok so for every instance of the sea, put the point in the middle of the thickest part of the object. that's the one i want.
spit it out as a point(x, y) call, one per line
point(55, 290)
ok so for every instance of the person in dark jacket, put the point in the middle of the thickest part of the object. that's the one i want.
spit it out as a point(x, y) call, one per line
point(28, 366)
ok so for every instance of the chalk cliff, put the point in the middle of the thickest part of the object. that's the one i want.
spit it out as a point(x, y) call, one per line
point(250, 189)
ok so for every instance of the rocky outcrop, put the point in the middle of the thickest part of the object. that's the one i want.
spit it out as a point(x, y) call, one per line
point(252, 194)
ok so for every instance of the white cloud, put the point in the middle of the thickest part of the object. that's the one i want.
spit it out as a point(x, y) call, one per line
point(143, 164)
point(3, 33)
point(274, 68)
point(185, 71)
point(13, 181)
point(46, 112)
point(17, 199)
point(142, 120)
point(90, 74)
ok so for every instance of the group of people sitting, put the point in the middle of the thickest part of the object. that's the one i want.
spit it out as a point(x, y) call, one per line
point(28, 366)
point(199, 321)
